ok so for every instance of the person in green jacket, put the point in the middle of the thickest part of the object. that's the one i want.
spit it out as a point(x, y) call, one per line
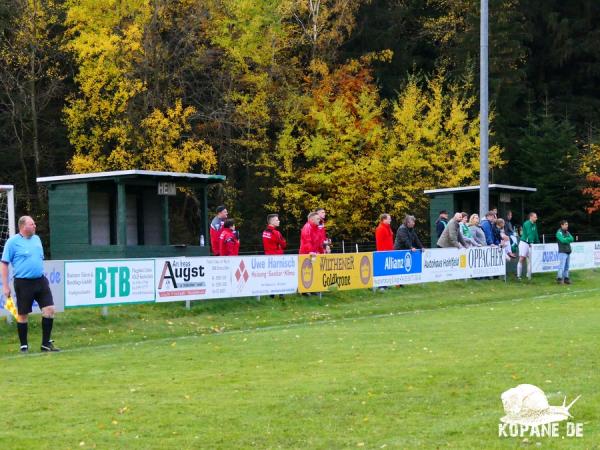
point(564, 239)
point(529, 236)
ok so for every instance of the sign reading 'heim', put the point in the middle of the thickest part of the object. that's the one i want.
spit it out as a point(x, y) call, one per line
point(330, 272)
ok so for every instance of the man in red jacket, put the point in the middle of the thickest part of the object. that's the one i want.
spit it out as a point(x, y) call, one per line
point(326, 241)
point(384, 236)
point(311, 241)
point(273, 241)
point(230, 245)
point(216, 228)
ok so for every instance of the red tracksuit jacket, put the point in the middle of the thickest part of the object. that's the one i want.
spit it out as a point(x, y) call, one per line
point(384, 237)
point(230, 246)
point(273, 241)
point(216, 228)
point(311, 239)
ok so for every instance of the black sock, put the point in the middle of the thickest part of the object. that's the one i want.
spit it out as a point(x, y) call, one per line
point(46, 329)
point(22, 330)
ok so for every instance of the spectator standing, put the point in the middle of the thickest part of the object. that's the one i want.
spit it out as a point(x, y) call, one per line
point(510, 231)
point(384, 236)
point(25, 252)
point(230, 244)
point(323, 230)
point(466, 231)
point(406, 236)
point(451, 236)
point(487, 225)
point(529, 237)
point(273, 241)
point(564, 239)
point(504, 240)
point(476, 231)
point(311, 241)
point(441, 223)
point(216, 228)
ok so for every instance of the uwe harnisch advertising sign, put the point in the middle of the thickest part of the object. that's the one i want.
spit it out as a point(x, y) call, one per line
point(397, 267)
point(264, 275)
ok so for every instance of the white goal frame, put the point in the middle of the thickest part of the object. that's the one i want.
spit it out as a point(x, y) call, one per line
point(10, 196)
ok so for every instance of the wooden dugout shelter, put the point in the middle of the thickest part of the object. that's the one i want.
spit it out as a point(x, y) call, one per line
point(121, 214)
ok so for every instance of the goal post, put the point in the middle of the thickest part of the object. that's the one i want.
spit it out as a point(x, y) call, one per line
point(7, 213)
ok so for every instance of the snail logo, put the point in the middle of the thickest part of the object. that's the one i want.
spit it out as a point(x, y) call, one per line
point(306, 273)
point(365, 270)
point(528, 413)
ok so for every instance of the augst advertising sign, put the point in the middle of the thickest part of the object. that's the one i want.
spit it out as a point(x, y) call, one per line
point(192, 278)
point(106, 282)
point(336, 271)
point(264, 275)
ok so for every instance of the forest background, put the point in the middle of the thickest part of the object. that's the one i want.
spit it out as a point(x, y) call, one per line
point(352, 105)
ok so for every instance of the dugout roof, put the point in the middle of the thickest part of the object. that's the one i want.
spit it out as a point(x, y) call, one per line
point(126, 214)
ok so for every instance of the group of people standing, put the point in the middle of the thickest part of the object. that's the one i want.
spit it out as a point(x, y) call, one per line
point(224, 240)
point(461, 231)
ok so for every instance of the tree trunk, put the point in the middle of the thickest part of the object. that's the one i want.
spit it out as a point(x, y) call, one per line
point(33, 96)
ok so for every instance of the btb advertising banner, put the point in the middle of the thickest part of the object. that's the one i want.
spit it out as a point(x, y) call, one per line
point(342, 271)
point(106, 282)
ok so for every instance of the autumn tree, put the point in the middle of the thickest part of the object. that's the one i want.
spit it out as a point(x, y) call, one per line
point(31, 77)
point(108, 129)
point(346, 149)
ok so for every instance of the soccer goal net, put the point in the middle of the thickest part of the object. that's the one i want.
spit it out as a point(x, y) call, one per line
point(7, 214)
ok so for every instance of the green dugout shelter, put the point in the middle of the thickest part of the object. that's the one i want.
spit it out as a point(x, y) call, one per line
point(122, 214)
point(502, 196)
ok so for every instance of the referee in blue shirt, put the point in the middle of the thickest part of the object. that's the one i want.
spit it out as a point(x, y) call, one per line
point(24, 251)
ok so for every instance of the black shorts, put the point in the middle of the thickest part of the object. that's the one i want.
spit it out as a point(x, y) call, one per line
point(29, 289)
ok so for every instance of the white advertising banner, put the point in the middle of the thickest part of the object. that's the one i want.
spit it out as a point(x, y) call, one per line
point(264, 275)
point(442, 264)
point(200, 278)
point(109, 282)
point(584, 255)
point(54, 271)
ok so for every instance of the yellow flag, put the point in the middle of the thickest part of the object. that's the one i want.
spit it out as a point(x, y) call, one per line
point(9, 305)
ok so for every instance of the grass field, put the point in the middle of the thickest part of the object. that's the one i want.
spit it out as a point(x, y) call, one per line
point(418, 367)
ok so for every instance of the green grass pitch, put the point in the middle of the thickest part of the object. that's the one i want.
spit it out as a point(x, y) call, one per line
point(415, 367)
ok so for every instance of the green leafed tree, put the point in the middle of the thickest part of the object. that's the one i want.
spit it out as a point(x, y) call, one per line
point(552, 162)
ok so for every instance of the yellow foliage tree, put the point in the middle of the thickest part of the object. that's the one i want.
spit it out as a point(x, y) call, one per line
point(107, 128)
point(339, 149)
point(433, 142)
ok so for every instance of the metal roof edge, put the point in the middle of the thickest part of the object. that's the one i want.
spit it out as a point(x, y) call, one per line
point(476, 188)
point(134, 172)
